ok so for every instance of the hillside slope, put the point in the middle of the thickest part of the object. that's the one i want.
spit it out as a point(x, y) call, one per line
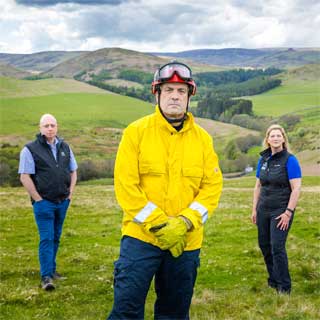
point(10, 71)
point(223, 130)
point(28, 88)
point(38, 62)
point(239, 57)
point(113, 60)
point(92, 122)
point(300, 89)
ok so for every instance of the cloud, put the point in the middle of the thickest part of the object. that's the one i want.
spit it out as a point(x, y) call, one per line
point(44, 3)
point(158, 25)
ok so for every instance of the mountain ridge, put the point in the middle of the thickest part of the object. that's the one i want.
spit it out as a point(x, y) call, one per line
point(242, 57)
point(51, 61)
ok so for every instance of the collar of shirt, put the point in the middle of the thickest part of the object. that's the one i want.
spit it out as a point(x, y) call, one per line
point(53, 147)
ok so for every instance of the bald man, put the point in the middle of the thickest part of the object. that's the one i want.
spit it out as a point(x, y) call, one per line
point(48, 171)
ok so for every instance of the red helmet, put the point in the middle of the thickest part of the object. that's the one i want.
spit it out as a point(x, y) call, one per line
point(174, 72)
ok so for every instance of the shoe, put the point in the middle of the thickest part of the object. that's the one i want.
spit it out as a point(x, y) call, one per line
point(47, 284)
point(272, 285)
point(58, 276)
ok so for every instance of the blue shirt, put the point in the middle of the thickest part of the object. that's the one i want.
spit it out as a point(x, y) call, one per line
point(293, 168)
point(27, 165)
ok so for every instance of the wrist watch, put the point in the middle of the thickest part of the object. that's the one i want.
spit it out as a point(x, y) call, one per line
point(290, 210)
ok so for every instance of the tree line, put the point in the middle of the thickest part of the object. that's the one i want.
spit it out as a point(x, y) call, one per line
point(225, 84)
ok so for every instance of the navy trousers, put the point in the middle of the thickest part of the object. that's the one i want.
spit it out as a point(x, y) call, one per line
point(138, 263)
point(272, 242)
point(49, 217)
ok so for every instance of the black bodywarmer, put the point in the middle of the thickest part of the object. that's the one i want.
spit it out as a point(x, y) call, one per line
point(275, 186)
point(52, 177)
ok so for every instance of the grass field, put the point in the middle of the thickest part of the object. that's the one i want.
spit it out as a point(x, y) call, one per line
point(13, 88)
point(73, 110)
point(231, 281)
point(286, 99)
point(300, 89)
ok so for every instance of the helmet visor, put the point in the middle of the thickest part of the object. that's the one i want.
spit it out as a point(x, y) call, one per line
point(167, 71)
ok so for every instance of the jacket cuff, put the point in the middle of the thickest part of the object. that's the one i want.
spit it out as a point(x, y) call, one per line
point(157, 218)
point(193, 216)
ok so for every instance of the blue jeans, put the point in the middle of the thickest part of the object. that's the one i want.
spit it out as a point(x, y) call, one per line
point(272, 242)
point(49, 217)
point(138, 263)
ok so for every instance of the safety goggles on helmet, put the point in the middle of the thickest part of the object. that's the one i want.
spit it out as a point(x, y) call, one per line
point(167, 71)
point(174, 72)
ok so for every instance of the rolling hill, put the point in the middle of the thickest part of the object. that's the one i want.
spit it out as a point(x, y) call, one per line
point(11, 87)
point(300, 89)
point(299, 94)
point(10, 71)
point(65, 64)
point(219, 58)
point(37, 62)
point(113, 60)
point(238, 57)
point(92, 122)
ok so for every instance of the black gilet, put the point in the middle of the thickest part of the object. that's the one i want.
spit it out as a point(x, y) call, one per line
point(275, 186)
point(52, 177)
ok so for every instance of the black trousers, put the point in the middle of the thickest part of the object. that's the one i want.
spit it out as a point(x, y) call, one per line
point(272, 242)
point(138, 263)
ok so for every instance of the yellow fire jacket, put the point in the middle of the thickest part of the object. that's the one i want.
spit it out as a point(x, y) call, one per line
point(161, 173)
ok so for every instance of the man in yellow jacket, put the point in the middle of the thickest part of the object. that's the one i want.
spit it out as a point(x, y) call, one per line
point(168, 182)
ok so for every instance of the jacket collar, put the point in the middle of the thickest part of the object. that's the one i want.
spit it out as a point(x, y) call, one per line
point(187, 124)
point(41, 138)
point(266, 154)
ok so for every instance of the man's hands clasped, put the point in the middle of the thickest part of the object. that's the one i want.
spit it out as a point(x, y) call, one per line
point(172, 236)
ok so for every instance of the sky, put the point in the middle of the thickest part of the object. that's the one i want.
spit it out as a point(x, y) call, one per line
point(28, 26)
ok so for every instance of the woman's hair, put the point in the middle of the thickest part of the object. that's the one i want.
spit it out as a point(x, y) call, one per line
point(276, 127)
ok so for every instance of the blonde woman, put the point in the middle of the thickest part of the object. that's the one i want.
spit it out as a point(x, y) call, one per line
point(275, 198)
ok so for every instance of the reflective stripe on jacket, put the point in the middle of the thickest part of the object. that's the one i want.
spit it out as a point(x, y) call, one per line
point(162, 173)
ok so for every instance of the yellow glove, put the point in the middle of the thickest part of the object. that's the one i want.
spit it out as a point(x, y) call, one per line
point(178, 248)
point(173, 233)
point(153, 226)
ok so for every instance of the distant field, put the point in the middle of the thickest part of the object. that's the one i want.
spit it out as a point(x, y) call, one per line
point(287, 98)
point(10, 87)
point(74, 111)
point(224, 130)
point(124, 83)
point(300, 89)
point(91, 122)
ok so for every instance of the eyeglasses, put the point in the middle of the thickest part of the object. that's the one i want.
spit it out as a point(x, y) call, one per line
point(167, 71)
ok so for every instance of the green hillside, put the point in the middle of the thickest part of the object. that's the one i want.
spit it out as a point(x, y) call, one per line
point(74, 110)
point(10, 88)
point(91, 122)
point(300, 89)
